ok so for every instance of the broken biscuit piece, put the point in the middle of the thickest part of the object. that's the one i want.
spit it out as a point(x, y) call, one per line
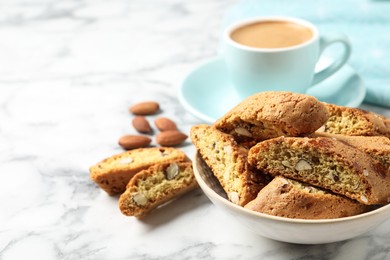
point(155, 186)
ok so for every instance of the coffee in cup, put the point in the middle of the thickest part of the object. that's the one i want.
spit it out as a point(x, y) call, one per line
point(272, 34)
point(278, 54)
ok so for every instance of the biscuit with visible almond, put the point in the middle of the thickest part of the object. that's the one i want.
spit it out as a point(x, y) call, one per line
point(271, 114)
point(155, 186)
point(114, 173)
point(228, 162)
point(326, 163)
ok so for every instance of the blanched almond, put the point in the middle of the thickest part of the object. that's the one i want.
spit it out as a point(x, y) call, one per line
point(141, 124)
point(172, 171)
point(165, 124)
point(145, 108)
point(302, 165)
point(242, 131)
point(129, 142)
point(140, 199)
point(170, 138)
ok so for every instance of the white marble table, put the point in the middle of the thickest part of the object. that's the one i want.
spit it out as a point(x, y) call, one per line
point(69, 70)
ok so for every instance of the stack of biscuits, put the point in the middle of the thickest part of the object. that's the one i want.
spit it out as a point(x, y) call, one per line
point(290, 155)
point(145, 178)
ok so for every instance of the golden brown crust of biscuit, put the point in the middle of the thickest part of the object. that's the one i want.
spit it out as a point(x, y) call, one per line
point(114, 173)
point(387, 123)
point(291, 199)
point(228, 161)
point(155, 186)
point(271, 114)
point(326, 163)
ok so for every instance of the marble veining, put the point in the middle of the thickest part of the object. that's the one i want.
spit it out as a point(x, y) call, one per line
point(69, 70)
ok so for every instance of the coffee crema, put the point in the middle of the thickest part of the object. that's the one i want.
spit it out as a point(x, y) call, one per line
point(272, 34)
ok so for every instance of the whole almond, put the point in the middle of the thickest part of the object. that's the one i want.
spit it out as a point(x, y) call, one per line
point(129, 142)
point(170, 138)
point(165, 124)
point(145, 108)
point(141, 124)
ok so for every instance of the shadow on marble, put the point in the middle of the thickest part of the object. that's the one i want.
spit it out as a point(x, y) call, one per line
point(152, 135)
point(175, 208)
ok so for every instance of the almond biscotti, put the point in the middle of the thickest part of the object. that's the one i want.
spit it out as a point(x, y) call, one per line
point(284, 197)
point(355, 121)
point(113, 174)
point(271, 114)
point(326, 163)
point(155, 186)
point(228, 161)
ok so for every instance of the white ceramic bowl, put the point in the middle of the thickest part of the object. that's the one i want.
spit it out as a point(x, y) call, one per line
point(298, 231)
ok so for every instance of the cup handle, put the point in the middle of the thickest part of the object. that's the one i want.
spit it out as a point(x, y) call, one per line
point(325, 41)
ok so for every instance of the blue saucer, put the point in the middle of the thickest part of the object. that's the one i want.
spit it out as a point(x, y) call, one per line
point(208, 94)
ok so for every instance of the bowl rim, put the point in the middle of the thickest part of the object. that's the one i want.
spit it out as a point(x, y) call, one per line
point(255, 214)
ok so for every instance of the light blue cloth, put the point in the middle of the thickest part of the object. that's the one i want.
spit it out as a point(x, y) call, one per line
point(366, 23)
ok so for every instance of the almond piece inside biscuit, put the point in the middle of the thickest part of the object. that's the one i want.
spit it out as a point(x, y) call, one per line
point(140, 199)
point(172, 171)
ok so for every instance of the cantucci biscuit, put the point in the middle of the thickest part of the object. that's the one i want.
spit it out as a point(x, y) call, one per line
point(326, 163)
point(155, 186)
point(271, 114)
point(228, 162)
point(113, 174)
